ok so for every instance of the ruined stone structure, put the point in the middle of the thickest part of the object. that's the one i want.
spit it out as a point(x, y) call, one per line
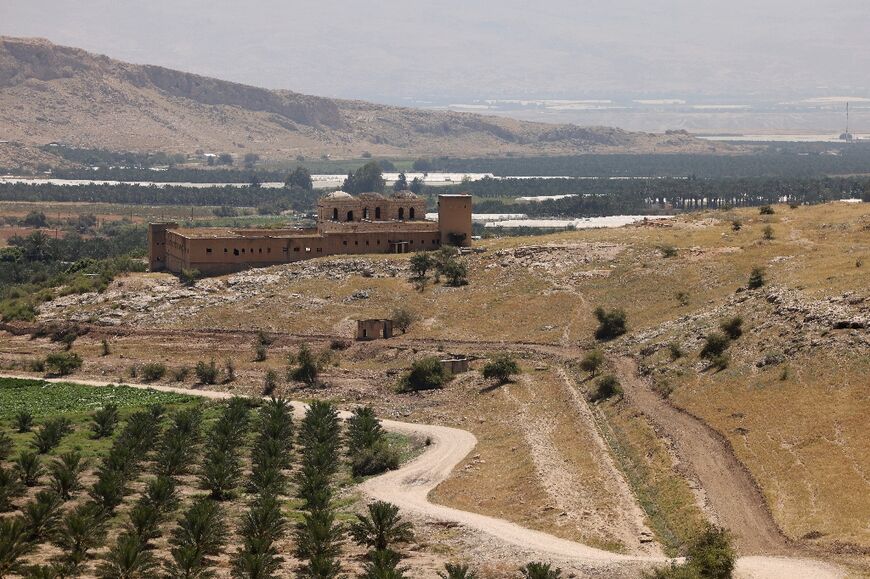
point(368, 223)
point(374, 329)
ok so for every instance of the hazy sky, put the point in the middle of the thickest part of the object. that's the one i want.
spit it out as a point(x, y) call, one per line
point(461, 49)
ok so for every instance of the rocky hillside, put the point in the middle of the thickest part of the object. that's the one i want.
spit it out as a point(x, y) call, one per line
point(51, 93)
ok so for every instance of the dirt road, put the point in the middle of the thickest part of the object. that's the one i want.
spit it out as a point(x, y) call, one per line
point(409, 488)
point(730, 490)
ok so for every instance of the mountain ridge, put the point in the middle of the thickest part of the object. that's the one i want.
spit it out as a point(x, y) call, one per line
point(51, 93)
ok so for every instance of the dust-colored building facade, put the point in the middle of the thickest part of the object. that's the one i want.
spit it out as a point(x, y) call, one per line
point(367, 223)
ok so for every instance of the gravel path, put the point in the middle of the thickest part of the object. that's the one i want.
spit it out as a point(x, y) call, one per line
point(409, 488)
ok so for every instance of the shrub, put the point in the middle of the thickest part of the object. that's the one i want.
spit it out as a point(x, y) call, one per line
point(152, 371)
point(378, 458)
point(260, 352)
point(104, 420)
point(536, 570)
point(756, 278)
point(766, 210)
point(709, 555)
point(23, 421)
point(62, 363)
point(457, 571)
point(736, 225)
point(720, 361)
point(675, 350)
point(337, 344)
point(682, 298)
point(106, 350)
point(606, 387)
point(592, 361)
point(733, 327)
point(403, 318)
point(425, 374)
point(306, 369)
point(421, 263)
point(264, 338)
point(611, 324)
point(501, 367)
point(229, 371)
point(270, 382)
point(188, 277)
point(767, 232)
point(455, 272)
point(206, 373)
point(668, 251)
point(715, 344)
point(180, 374)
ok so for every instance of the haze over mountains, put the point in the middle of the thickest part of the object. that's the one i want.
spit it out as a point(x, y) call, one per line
point(50, 93)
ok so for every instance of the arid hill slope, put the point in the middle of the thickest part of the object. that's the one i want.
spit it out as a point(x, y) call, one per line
point(51, 93)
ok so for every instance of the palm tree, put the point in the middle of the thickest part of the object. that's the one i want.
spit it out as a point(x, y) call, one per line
point(381, 527)
point(10, 487)
point(538, 570)
point(127, 559)
point(318, 544)
point(29, 468)
point(14, 545)
point(104, 421)
point(457, 571)
point(42, 516)
point(51, 433)
point(383, 564)
point(144, 523)
point(6, 445)
point(65, 472)
point(200, 535)
point(81, 530)
point(161, 494)
point(23, 421)
point(363, 430)
point(220, 474)
point(257, 560)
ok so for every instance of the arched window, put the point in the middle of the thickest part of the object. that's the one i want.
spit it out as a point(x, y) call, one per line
point(350, 215)
point(377, 212)
point(365, 212)
point(401, 212)
point(411, 213)
point(335, 214)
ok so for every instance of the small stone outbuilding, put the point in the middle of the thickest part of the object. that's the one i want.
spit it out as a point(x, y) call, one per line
point(374, 329)
point(456, 365)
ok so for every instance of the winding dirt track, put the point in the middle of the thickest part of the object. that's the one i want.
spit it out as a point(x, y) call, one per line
point(409, 487)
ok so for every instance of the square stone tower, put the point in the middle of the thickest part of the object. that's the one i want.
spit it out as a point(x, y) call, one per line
point(454, 219)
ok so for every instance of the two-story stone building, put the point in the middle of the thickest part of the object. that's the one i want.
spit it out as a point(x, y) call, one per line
point(367, 223)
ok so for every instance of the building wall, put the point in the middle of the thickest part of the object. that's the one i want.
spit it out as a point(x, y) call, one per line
point(157, 244)
point(374, 329)
point(454, 218)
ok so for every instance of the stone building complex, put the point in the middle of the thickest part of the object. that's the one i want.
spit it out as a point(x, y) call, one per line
point(367, 223)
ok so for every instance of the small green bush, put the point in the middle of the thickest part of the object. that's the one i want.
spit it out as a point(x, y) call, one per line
point(756, 278)
point(501, 367)
point(63, 363)
point(611, 324)
point(715, 344)
point(733, 327)
point(260, 352)
point(668, 251)
point(720, 361)
point(152, 371)
point(188, 277)
point(23, 421)
point(306, 366)
point(767, 232)
point(270, 382)
point(592, 362)
point(180, 374)
point(606, 387)
point(206, 372)
point(675, 350)
point(425, 374)
point(766, 210)
point(378, 458)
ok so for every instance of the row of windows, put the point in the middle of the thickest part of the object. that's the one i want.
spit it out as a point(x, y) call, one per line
point(243, 251)
point(365, 214)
